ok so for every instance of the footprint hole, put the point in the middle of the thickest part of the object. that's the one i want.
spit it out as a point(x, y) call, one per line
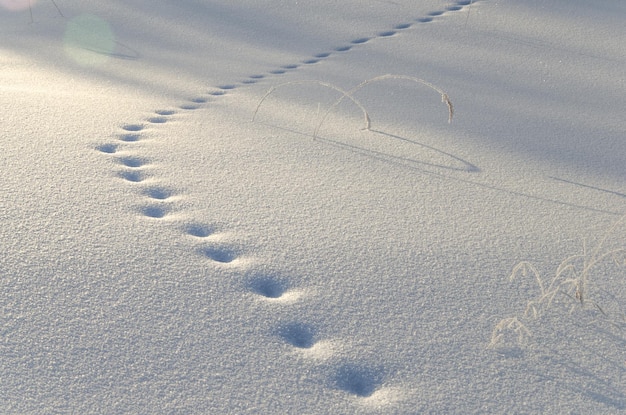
point(132, 162)
point(219, 254)
point(310, 61)
point(165, 112)
point(156, 212)
point(189, 107)
point(359, 380)
point(402, 26)
point(343, 48)
point(227, 87)
point(199, 230)
point(268, 287)
point(387, 33)
point(454, 8)
point(157, 120)
point(132, 176)
point(436, 13)
point(425, 19)
point(289, 66)
point(133, 127)
point(130, 138)
point(107, 148)
point(159, 193)
point(360, 40)
point(298, 335)
point(277, 71)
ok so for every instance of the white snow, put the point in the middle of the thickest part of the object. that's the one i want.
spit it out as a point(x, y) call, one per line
point(162, 253)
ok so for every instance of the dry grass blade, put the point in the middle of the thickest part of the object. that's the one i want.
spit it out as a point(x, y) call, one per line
point(30, 9)
point(571, 278)
point(446, 99)
point(324, 84)
point(348, 94)
point(522, 268)
point(511, 324)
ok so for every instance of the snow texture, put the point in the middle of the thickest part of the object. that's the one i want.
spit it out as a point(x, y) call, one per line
point(164, 253)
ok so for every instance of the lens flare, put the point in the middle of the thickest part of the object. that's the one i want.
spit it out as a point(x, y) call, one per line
point(89, 40)
point(17, 5)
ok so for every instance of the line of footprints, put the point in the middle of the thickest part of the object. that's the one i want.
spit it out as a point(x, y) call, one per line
point(355, 378)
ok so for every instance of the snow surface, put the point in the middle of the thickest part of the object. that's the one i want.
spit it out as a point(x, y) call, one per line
point(162, 253)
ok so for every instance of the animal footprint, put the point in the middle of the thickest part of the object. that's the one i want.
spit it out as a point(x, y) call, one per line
point(227, 87)
point(159, 193)
point(165, 112)
point(131, 134)
point(157, 120)
point(194, 103)
point(107, 148)
point(189, 107)
point(298, 335)
point(252, 79)
point(199, 230)
point(133, 127)
point(132, 176)
point(155, 212)
point(161, 117)
point(219, 254)
point(130, 137)
point(360, 40)
point(268, 287)
point(359, 380)
point(132, 162)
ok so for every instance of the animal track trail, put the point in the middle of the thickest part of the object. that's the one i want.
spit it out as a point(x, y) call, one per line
point(277, 292)
point(157, 207)
point(223, 89)
point(352, 376)
point(355, 377)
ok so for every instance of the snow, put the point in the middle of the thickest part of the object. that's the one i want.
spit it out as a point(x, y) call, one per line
point(164, 253)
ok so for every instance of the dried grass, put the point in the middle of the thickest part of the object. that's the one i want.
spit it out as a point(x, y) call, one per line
point(349, 94)
point(572, 279)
